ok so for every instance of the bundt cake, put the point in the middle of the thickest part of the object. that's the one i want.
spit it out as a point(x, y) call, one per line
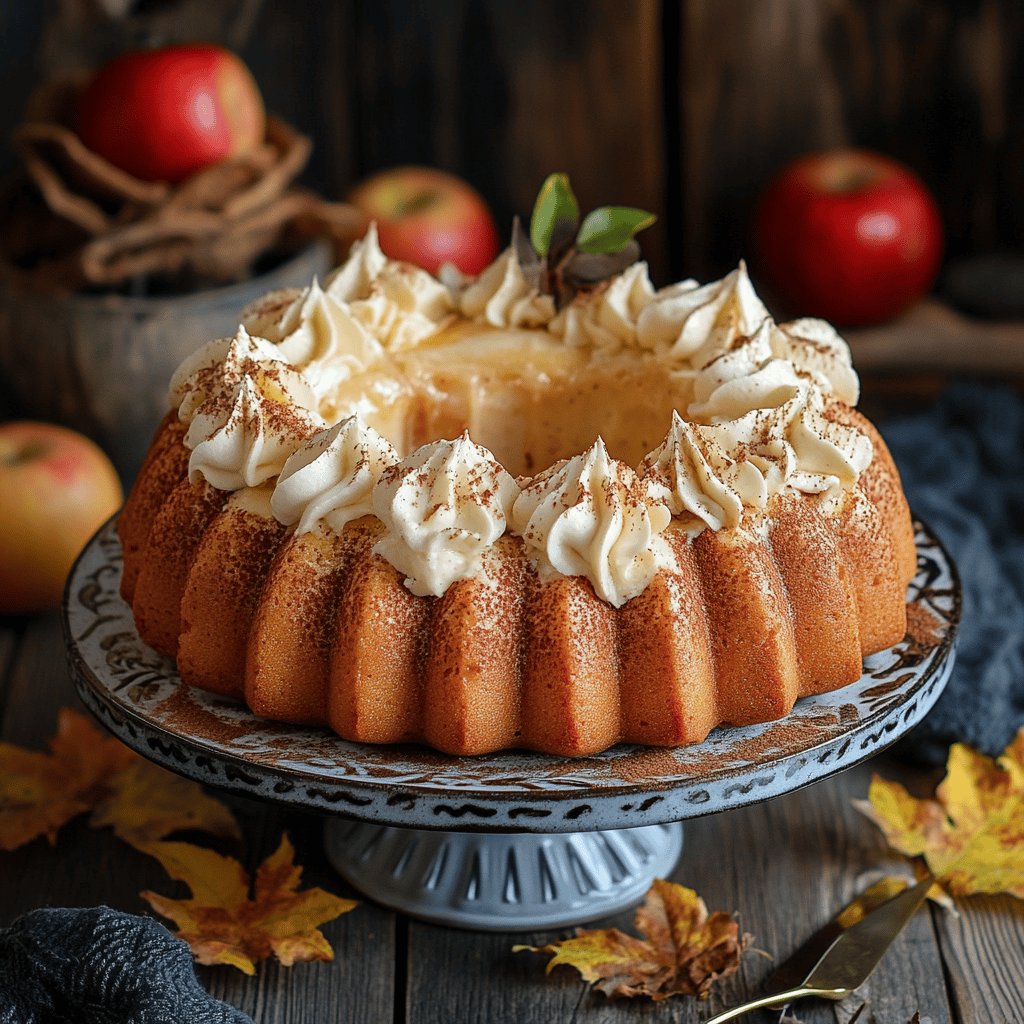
point(463, 514)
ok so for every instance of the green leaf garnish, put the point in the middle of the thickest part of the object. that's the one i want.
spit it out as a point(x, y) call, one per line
point(556, 209)
point(610, 229)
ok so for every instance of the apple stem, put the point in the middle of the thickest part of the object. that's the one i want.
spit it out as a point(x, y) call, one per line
point(852, 179)
point(26, 453)
point(418, 202)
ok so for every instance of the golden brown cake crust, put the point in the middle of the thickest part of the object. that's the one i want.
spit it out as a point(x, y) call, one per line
point(165, 466)
point(327, 632)
point(760, 552)
point(222, 590)
point(880, 483)
point(294, 628)
point(175, 534)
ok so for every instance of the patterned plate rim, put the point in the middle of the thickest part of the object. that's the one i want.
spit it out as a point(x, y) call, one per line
point(129, 688)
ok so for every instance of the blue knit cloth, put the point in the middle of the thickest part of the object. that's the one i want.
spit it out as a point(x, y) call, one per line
point(64, 965)
point(962, 464)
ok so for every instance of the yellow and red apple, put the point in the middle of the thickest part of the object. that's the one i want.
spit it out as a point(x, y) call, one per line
point(163, 114)
point(56, 489)
point(428, 217)
point(849, 235)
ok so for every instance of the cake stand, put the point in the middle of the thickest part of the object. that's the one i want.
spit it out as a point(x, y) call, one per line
point(509, 841)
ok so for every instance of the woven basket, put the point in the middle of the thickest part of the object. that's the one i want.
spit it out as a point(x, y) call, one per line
point(102, 363)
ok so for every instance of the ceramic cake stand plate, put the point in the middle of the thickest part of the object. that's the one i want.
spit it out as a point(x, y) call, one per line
point(506, 841)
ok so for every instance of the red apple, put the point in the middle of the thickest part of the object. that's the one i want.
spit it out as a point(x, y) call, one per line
point(426, 216)
point(164, 114)
point(848, 235)
point(56, 489)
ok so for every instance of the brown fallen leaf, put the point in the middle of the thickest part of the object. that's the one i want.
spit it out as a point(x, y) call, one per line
point(41, 792)
point(144, 803)
point(972, 835)
point(87, 770)
point(684, 950)
point(224, 925)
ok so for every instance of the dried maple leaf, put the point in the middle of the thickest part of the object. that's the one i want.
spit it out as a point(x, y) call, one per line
point(223, 925)
point(145, 803)
point(870, 899)
point(972, 836)
point(41, 792)
point(684, 951)
point(885, 889)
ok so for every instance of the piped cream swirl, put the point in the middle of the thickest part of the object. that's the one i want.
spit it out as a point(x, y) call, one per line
point(606, 320)
point(356, 276)
point(242, 439)
point(682, 476)
point(690, 323)
point(501, 297)
point(714, 470)
point(397, 303)
point(744, 378)
point(443, 508)
point(589, 516)
point(322, 338)
point(331, 478)
point(817, 348)
point(217, 369)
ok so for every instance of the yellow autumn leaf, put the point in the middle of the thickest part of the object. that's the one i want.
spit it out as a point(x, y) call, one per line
point(971, 836)
point(224, 924)
point(684, 951)
point(885, 889)
point(41, 792)
point(870, 899)
point(144, 803)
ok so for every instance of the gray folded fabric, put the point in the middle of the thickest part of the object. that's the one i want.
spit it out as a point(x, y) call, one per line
point(103, 966)
point(962, 464)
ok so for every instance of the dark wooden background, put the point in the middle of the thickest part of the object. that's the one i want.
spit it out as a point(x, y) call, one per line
point(685, 107)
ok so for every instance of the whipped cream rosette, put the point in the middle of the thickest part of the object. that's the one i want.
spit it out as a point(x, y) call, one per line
point(751, 420)
point(442, 507)
point(242, 437)
point(330, 479)
point(589, 516)
point(501, 297)
point(397, 303)
point(607, 320)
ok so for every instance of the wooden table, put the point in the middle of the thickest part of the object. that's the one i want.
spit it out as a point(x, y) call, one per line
point(784, 866)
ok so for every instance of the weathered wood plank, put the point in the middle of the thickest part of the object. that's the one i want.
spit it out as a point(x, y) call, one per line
point(504, 94)
point(359, 984)
point(927, 83)
point(785, 867)
point(37, 684)
point(89, 867)
point(935, 337)
point(8, 644)
point(984, 953)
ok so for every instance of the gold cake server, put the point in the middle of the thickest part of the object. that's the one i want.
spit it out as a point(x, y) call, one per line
point(848, 959)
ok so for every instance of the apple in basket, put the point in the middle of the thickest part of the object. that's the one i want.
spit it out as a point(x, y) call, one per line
point(849, 235)
point(428, 217)
point(56, 489)
point(163, 114)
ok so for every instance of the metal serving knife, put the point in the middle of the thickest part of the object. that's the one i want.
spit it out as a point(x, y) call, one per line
point(850, 957)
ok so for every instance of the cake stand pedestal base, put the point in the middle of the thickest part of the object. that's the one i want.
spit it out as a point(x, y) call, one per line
point(504, 882)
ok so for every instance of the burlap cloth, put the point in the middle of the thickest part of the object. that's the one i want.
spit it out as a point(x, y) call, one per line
point(73, 221)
